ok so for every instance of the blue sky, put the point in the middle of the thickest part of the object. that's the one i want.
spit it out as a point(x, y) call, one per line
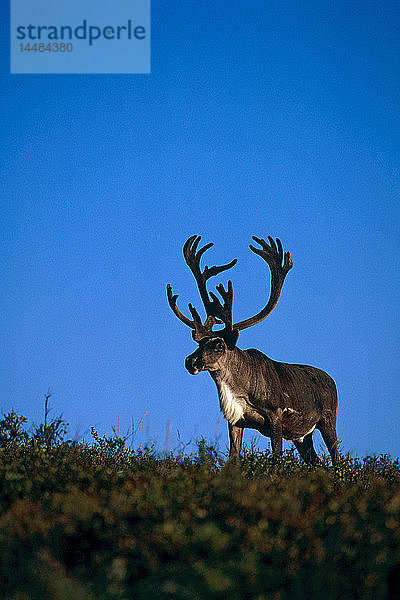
point(259, 118)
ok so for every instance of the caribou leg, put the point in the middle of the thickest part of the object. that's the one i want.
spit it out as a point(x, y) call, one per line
point(235, 438)
point(276, 438)
point(306, 450)
point(328, 432)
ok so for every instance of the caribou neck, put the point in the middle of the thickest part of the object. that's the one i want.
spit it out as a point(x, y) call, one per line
point(249, 374)
point(233, 371)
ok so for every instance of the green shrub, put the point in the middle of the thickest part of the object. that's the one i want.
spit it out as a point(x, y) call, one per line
point(107, 521)
point(12, 433)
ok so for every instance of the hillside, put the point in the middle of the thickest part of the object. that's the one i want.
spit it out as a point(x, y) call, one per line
point(106, 521)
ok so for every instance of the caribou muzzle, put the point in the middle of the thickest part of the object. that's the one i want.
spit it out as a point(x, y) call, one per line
point(193, 363)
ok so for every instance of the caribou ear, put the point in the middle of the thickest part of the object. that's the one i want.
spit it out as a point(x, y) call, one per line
point(231, 337)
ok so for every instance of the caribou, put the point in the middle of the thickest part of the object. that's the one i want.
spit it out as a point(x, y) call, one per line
point(282, 401)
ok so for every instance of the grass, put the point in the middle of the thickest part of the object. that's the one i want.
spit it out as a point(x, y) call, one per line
point(110, 521)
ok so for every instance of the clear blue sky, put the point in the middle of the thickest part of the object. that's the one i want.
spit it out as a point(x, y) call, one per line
point(259, 118)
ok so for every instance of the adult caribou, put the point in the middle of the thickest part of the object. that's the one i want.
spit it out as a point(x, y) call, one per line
point(282, 401)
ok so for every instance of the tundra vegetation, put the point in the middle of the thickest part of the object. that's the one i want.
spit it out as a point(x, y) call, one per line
point(106, 520)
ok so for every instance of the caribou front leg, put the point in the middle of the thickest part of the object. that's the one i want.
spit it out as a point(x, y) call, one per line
point(276, 438)
point(235, 439)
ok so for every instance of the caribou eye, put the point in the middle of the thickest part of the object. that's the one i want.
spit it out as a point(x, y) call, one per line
point(219, 346)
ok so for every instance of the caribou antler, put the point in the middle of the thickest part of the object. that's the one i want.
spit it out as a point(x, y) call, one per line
point(214, 309)
point(224, 313)
point(279, 263)
point(272, 253)
point(192, 257)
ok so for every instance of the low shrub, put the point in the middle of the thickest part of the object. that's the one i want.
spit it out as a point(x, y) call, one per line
point(107, 521)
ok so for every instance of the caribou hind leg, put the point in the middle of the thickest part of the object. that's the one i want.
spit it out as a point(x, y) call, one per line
point(306, 450)
point(328, 432)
